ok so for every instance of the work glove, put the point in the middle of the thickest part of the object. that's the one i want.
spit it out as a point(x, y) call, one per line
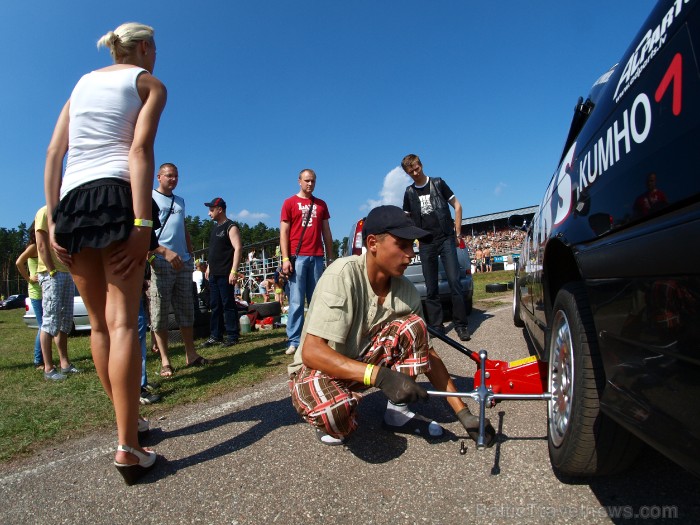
point(470, 423)
point(398, 387)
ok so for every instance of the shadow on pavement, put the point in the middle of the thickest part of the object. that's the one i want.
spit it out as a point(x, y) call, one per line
point(476, 318)
point(269, 416)
point(654, 489)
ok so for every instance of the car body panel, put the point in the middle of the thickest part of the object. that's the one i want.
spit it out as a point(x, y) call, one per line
point(632, 237)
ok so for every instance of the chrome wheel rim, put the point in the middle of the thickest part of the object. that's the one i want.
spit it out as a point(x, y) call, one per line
point(561, 378)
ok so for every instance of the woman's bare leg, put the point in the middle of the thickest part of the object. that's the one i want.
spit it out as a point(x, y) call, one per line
point(89, 277)
point(121, 313)
point(113, 303)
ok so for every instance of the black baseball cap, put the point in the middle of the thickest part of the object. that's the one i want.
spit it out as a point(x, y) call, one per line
point(393, 220)
point(215, 203)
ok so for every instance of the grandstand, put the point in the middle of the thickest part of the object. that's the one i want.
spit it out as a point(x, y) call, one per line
point(492, 231)
point(493, 222)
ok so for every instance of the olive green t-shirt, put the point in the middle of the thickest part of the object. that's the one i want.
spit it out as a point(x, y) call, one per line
point(345, 310)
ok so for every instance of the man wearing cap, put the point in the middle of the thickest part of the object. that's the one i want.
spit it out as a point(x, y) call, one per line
point(171, 275)
point(222, 273)
point(363, 329)
point(426, 201)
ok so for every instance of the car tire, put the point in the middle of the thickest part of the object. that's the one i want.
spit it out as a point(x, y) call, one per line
point(496, 287)
point(270, 309)
point(517, 319)
point(582, 441)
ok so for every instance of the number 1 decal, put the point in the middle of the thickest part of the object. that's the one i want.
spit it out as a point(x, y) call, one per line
point(673, 74)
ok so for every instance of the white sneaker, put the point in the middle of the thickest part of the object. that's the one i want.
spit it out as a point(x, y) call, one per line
point(290, 350)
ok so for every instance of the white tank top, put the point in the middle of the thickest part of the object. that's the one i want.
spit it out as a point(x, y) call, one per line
point(104, 107)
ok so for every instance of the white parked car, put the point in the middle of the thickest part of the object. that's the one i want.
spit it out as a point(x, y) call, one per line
point(81, 321)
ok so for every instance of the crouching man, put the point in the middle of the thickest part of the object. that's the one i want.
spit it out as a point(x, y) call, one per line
point(365, 328)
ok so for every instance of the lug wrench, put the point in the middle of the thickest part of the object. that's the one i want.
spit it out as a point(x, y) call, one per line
point(524, 379)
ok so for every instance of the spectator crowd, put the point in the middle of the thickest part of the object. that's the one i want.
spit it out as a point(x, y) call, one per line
point(486, 245)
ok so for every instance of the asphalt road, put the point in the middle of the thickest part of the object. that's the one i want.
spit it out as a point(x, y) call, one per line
point(247, 458)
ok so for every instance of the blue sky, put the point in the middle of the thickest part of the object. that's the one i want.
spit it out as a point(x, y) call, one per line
point(483, 92)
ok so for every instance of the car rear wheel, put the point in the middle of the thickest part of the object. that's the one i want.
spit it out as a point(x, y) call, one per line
point(582, 440)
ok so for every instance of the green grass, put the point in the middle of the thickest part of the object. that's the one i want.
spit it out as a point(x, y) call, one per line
point(37, 412)
point(482, 279)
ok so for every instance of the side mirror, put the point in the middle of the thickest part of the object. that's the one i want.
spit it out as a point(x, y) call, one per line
point(518, 222)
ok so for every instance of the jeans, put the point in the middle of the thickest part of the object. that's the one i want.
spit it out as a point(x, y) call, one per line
point(39, 312)
point(429, 253)
point(302, 282)
point(143, 328)
point(223, 304)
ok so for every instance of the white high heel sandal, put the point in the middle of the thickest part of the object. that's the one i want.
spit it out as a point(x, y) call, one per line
point(132, 473)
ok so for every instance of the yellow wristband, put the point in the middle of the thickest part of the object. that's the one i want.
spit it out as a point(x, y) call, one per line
point(285, 259)
point(53, 272)
point(150, 259)
point(368, 375)
point(234, 272)
point(143, 222)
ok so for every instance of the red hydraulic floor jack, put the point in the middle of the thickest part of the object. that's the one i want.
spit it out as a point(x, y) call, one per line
point(494, 381)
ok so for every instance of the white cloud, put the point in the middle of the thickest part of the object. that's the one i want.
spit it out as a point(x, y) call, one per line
point(392, 191)
point(499, 188)
point(247, 216)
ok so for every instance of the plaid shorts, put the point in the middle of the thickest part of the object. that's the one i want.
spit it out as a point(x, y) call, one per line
point(168, 286)
point(57, 296)
point(330, 404)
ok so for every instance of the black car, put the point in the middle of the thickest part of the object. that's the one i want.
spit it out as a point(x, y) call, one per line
point(608, 283)
point(14, 301)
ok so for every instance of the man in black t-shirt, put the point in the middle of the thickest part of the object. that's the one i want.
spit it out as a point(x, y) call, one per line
point(426, 201)
point(222, 273)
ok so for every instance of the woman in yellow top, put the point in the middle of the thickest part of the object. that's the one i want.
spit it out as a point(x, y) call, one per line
point(29, 260)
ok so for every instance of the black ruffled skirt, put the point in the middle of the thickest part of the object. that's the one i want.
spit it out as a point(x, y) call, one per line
point(96, 214)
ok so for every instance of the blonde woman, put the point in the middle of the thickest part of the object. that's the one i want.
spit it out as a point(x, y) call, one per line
point(100, 214)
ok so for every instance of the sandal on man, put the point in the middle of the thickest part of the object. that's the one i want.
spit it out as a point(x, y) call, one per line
point(200, 361)
point(132, 473)
point(417, 425)
point(166, 371)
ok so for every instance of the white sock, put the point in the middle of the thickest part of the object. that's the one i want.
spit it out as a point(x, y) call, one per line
point(398, 414)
